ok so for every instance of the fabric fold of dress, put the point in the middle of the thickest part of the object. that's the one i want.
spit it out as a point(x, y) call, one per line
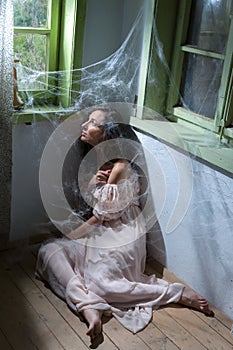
point(104, 270)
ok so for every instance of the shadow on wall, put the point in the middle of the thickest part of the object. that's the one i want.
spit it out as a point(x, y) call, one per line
point(155, 244)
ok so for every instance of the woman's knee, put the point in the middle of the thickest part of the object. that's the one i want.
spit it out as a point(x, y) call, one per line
point(48, 250)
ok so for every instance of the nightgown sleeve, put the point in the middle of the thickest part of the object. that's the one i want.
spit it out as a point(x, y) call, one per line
point(113, 199)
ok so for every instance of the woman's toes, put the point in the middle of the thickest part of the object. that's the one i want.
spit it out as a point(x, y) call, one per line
point(94, 329)
point(93, 318)
point(194, 300)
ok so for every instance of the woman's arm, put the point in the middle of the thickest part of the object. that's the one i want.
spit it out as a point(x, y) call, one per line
point(85, 228)
point(120, 171)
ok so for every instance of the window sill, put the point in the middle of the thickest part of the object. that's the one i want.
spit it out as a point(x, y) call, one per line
point(200, 143)
point(194, 118)
point(40, 113)
point(228, 132)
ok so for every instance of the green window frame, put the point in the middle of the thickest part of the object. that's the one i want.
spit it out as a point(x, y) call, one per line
point(184, 130)
point(222, 123)
point(51, 32)
point(64, 53)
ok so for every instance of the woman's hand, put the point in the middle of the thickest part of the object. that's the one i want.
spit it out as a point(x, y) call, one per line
point(84, 229)
point(119, 171)
point(102, 177)
point(99, 179)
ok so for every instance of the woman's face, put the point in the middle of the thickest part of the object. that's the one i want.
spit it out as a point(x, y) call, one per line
point(92, 132)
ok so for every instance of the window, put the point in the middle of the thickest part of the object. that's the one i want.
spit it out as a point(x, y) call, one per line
point(36, 34)
point(203, 64)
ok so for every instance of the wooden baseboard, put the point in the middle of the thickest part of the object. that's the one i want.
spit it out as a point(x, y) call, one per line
point(27, 241)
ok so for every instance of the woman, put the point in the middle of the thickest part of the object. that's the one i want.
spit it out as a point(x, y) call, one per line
point(98, 268)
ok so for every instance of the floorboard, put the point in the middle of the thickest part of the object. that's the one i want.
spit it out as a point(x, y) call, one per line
point(33, 317)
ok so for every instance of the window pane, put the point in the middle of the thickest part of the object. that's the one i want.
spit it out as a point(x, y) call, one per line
point(30, 13)
point(30, 50)
point(201, 84)
point(210, 22)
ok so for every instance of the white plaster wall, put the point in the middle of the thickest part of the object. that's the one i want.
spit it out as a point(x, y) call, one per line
point(198, 249)
point(113, 43)
point(28, 216)
point(102, 35)
point(108, 23)
point(131, 9)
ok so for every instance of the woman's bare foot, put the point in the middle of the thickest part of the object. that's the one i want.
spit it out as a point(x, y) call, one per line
point(93, 318)
point(192, 299)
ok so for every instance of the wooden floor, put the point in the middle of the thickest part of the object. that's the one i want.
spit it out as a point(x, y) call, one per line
point(32, 317)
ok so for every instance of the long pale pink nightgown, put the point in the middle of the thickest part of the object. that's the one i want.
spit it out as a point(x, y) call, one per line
point(104, 270)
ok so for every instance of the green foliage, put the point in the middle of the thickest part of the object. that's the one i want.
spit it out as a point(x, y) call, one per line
point(30, 13)
point(30, 49)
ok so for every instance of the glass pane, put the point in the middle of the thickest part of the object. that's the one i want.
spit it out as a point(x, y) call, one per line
point(201, 84)
point(210, 22)
point(30, 50)
point(30, 13)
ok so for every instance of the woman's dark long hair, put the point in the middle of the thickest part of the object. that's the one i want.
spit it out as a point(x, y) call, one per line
point(113, 128)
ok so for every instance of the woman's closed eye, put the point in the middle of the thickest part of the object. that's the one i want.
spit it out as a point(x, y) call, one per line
point(94, 122)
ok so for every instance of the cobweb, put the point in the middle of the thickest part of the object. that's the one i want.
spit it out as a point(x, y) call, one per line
point(114, 78)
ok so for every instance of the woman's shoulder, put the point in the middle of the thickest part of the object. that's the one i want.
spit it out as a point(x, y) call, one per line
point(121, 170)
point(121, 164)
